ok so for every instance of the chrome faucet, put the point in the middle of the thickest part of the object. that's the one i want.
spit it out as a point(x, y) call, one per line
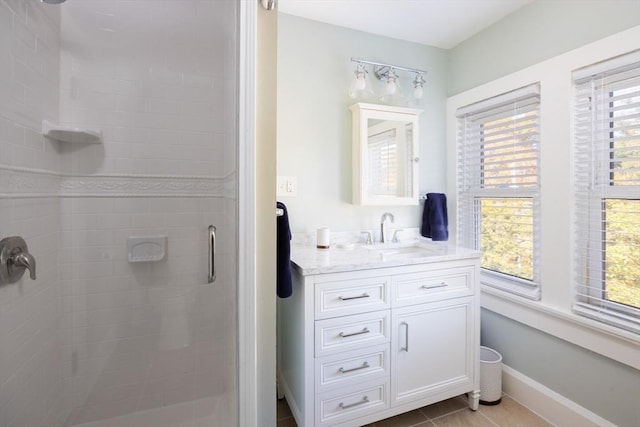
point(385, 215)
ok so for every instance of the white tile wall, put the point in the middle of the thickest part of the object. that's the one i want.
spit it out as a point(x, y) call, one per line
point(140, 336)
point(148, 341)
point(29, 76)
point(30, 341)
point(154, 76)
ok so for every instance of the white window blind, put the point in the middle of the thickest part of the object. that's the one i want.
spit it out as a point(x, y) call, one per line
point(607, 191)
point(499, 185)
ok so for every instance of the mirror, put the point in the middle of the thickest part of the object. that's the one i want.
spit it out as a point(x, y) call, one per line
point(385, 154)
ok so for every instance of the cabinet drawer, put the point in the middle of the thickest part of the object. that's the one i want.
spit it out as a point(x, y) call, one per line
point(433, 285)
point(348, 404)
point(352, 367)
point(351, 296)
point(351, 332)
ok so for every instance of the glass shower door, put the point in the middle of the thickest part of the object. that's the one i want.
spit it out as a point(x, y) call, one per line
point(149, 340)
point(107, 336)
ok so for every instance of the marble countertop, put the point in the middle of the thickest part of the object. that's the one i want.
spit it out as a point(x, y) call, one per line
point(308, 260)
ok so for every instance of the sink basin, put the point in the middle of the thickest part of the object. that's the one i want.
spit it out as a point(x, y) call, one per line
point(409, 250)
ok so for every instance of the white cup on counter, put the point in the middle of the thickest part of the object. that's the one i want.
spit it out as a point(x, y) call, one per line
point(322, 238)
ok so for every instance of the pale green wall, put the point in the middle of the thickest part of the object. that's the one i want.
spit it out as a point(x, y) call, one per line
point(603, 386)
point(541, 30)
point(314, 121)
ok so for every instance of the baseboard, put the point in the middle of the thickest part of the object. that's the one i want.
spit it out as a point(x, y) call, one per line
point(548, 404)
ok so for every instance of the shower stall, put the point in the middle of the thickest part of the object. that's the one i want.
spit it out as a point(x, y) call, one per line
point(121, 327)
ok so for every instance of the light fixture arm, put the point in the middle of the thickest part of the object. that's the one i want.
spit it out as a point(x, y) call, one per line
point(386, 73)
point(381, 69)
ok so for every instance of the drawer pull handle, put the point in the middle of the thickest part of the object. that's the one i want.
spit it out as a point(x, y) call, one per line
point(439, 285)
point(357, 368)
point(364, 331)
point(365, 399)
point(365, 295)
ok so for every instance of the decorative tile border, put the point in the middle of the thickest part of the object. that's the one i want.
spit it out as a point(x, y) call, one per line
point(140, 186)
point(27, 183)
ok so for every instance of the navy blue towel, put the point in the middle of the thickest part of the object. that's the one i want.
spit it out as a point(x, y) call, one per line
point(435, 223)
point(283, 253)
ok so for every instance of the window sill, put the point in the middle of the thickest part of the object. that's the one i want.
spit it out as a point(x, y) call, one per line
point(510, 285)
point(619, 345)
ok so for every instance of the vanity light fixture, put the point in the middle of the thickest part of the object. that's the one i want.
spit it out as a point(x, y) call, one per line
point(388, 74)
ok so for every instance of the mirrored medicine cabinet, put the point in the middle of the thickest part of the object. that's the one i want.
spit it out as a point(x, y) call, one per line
point(385, 154)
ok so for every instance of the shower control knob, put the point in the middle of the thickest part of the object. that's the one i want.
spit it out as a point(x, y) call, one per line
point(15, 259)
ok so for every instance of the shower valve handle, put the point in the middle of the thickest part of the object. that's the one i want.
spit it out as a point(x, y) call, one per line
point(15, 259)
point(26, 260)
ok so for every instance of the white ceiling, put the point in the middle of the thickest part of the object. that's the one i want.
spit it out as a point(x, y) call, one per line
point(439, 23)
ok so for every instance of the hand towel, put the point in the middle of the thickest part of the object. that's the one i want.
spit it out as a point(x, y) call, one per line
point(435, 223)
point(283, 253)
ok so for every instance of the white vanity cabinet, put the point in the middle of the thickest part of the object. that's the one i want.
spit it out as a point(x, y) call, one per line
point(360, 346)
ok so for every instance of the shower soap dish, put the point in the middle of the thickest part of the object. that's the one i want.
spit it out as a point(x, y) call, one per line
point(147, 248)
point(71, 134)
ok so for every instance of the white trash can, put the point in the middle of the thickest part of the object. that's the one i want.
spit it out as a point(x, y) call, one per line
point(490, 376)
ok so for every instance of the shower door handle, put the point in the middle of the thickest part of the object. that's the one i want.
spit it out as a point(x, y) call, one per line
point(212, 254)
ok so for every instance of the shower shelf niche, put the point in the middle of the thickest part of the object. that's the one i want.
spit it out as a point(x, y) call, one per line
point(71, 134)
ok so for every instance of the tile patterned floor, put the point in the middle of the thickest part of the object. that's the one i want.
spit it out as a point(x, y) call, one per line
point(449, 413)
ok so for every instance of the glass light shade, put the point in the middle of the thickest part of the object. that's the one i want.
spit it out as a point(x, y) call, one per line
point(418, 92)
point(390, 88)
point(396, 96)
point(418, 86)
point(392, 83)
point(360, 85)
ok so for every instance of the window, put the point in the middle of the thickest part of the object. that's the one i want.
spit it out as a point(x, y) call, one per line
point(607, 191)
point(498, 188)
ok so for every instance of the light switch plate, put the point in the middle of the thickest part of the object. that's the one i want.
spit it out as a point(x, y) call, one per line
point(287, 186)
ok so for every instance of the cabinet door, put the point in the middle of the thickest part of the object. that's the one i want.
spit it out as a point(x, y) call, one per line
point(431, 349)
